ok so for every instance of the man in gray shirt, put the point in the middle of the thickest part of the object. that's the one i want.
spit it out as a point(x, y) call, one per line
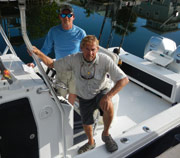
point(92, 88)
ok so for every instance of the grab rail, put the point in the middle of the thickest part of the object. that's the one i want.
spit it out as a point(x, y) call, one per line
point(9, 46)
point(22, 8)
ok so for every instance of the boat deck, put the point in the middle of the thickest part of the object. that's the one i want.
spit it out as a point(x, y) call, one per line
point(135, 106)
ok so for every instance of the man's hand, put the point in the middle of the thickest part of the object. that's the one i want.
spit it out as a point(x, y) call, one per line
point(35, 51)
point(46, 60)
point(31, 65)
point(106, 100)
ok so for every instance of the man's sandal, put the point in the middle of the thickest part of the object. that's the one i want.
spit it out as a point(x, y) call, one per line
point(86, 147)
point(111, 145)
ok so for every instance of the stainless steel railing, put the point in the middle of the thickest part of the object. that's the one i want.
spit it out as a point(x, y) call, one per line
point(8, 44)
point(22, 8)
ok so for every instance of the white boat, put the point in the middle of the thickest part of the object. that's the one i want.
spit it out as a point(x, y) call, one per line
point(36, 123)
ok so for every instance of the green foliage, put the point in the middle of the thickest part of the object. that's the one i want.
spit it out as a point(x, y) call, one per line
point(41, 18)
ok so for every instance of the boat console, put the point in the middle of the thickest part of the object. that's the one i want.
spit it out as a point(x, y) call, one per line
point(29, 112)
point(163, 51)
point(159, 71)
point(159, 50)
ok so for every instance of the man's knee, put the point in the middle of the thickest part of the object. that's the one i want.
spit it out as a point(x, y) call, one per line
point(109, 111)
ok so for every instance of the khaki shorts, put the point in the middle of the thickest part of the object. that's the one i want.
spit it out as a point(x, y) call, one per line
point(68, 78)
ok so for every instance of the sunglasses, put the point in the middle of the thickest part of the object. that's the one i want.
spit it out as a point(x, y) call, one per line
point(89, 74)
point(68, 15)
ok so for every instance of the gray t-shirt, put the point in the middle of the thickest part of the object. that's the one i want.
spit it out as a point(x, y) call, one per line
point(91, 77)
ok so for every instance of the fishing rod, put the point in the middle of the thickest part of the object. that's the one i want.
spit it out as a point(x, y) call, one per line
point(117, 50)
point(114, 10)
point(102, 27)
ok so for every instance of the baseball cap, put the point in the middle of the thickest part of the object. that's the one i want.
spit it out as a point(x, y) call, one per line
point(66, 7)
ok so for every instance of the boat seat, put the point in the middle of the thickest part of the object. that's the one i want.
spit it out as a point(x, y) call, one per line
point(159, 58)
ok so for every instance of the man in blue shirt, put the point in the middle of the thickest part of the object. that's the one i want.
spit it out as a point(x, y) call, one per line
point(65, 39)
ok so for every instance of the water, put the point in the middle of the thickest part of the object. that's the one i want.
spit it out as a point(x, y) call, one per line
point(90, 17)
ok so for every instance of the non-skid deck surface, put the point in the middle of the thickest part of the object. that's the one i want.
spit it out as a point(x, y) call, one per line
point(135, 105)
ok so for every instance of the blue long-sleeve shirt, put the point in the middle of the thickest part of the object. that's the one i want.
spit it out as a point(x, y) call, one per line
point(64, 42)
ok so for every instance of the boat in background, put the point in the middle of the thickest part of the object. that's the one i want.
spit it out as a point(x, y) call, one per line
point(37, 123)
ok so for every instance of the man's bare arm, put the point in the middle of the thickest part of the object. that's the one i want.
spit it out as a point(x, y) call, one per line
point(117, 87)
point(106, 99)
point(46, 60)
